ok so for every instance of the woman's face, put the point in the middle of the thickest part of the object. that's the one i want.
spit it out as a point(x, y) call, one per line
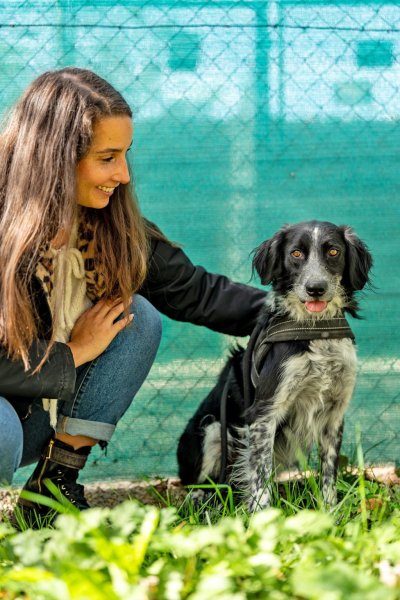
point(104, 167)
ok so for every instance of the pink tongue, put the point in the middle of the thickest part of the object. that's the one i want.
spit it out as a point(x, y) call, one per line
point(315, 305)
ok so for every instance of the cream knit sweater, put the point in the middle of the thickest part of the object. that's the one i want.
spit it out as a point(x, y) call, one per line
point(68, 299)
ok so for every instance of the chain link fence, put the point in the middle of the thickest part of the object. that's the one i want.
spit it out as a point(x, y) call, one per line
point(248, 115)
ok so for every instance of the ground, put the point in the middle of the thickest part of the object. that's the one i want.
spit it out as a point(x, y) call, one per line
point(111, 493)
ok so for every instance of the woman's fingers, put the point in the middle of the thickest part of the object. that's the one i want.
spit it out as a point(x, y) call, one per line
point(109, 307)
point(124, 322)
point(114, 312)
point(111, 312)
point(96, 328)
point(91, 336)
point(102, 307)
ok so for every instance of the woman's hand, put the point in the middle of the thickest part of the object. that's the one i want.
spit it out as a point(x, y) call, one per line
point(95, 329)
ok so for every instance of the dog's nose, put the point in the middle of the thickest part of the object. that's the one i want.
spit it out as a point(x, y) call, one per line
point(316, 288)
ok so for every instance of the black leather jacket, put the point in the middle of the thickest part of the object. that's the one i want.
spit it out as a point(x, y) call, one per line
point(174, 286)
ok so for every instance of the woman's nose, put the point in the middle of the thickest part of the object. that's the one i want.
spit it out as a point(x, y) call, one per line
point(122, 173)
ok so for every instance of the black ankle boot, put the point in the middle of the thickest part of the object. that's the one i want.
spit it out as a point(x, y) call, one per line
point(60, 464)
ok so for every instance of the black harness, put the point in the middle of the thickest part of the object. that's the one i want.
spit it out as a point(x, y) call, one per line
point(278, 329)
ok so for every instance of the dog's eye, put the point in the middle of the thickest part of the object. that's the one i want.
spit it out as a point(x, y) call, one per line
point(297, 253)
point(333, 252)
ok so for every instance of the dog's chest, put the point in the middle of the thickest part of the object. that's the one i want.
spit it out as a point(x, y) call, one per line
point(317, 381)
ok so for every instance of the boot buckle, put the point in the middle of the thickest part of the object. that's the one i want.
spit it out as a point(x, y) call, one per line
point(49, 450)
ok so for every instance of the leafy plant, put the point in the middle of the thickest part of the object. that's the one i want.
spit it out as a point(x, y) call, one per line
point(214, 550)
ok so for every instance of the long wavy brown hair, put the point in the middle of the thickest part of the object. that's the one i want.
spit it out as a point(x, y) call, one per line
point(48, 132)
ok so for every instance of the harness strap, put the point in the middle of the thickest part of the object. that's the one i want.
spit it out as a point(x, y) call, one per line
point(224, 427)
point(248, 388)
point(281, 329)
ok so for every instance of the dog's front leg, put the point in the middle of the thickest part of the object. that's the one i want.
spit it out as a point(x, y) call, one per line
point(260, 460)
point(329, 447)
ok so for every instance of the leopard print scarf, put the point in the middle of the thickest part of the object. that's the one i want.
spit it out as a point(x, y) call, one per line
point(95, 285)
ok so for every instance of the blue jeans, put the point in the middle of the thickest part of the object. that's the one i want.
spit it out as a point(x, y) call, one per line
point(104, 391)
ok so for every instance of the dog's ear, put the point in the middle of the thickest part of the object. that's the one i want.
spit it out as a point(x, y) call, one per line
point(358, 261)
point(267, 259)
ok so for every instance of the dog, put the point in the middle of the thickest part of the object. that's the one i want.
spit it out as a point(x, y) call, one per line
point(303, 386)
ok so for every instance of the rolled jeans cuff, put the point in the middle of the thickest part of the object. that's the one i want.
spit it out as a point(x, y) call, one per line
point(93, 429)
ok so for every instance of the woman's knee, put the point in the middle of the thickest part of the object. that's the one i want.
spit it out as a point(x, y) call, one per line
point(147, 320)
point(11, 441)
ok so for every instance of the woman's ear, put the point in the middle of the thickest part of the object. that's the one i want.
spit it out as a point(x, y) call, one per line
point(267, 259)
point(358, 261)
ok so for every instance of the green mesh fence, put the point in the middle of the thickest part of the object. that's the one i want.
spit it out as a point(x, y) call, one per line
point(247, 115)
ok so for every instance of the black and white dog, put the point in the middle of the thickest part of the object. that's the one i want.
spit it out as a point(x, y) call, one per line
point(304, 385)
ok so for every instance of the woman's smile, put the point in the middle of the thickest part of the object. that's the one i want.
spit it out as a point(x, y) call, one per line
point(107, 190)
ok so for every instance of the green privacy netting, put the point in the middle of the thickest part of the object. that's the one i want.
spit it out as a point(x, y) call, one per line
point(248, 115)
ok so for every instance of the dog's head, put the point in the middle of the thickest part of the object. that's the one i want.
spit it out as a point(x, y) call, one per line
point(314, 267)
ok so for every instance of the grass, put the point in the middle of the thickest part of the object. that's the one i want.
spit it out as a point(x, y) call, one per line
point(358, 499)
point(32, 519)
point(294, 550)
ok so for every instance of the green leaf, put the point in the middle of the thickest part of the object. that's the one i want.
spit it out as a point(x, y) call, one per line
point(308, 523)
point(337, 582)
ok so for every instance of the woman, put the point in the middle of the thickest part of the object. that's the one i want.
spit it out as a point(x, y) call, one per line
point(82, 278)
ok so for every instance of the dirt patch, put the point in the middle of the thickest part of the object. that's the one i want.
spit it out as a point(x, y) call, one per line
point(158, 492)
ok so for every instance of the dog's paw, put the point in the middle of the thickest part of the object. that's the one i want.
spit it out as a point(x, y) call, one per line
point(259, 500)
point(198, 496)
point(329, 495)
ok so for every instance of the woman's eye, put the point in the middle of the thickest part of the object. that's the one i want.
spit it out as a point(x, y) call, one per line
point(297, 253)
point(107, 159)
point(333, 252)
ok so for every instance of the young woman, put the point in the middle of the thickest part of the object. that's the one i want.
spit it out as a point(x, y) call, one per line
point(82, 278)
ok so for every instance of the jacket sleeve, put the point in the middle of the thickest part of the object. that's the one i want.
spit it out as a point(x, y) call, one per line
point(56, 379)
point(186, 292)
